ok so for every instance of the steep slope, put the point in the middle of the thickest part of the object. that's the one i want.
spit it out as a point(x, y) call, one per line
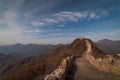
point(6, 61)
point(86, 71)
point(44, 64)
point(91, 47)
point(76, 49)
point(36, 67)
point(78, 46)
point(9, 63)
point(86, 64)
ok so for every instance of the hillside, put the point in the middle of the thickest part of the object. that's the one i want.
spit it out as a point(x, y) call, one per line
point(20, 50)
point(92, 64)
point(66, 62)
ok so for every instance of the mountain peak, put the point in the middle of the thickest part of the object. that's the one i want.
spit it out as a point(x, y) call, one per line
point(104, 40)
point(79, 46)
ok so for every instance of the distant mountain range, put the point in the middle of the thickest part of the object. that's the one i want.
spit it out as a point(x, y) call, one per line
point(109, 46)
point(27, 50)
point(47, 59)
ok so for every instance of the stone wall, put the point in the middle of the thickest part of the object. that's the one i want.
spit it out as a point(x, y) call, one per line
point(61, 71)
point(108, 63)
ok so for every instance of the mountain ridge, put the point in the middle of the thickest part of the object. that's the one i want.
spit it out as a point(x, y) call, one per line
point(35, 68)
point(92, 54)
point(109, 46)
point(27, 50)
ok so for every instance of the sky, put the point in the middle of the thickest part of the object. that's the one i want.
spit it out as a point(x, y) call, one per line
point(58, 21)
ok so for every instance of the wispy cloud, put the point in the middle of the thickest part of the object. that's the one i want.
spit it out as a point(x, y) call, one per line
point(68, 16)
point(36, 23)
point(23, 21)
point(11, 32)
point(114, 33)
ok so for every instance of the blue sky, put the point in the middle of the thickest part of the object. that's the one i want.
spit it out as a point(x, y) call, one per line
point(58, 21)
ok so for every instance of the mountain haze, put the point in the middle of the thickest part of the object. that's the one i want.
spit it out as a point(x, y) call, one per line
point(81, 54)
point(27, 50)
point(109, 46)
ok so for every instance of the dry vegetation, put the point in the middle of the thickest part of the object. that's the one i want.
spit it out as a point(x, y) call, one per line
point(37, 67)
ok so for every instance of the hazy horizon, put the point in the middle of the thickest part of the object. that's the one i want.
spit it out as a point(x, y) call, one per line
point(58, 21)
point(51, 43)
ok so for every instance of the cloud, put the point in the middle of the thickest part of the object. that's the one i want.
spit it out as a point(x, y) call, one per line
point(69, 16)
point(36, 23)
point(93, 16)
point(114, 33)
point(12, 31)
point(11, 14)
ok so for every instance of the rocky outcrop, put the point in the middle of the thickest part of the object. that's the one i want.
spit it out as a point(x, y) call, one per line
point(61, 71)
point(108, 63)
